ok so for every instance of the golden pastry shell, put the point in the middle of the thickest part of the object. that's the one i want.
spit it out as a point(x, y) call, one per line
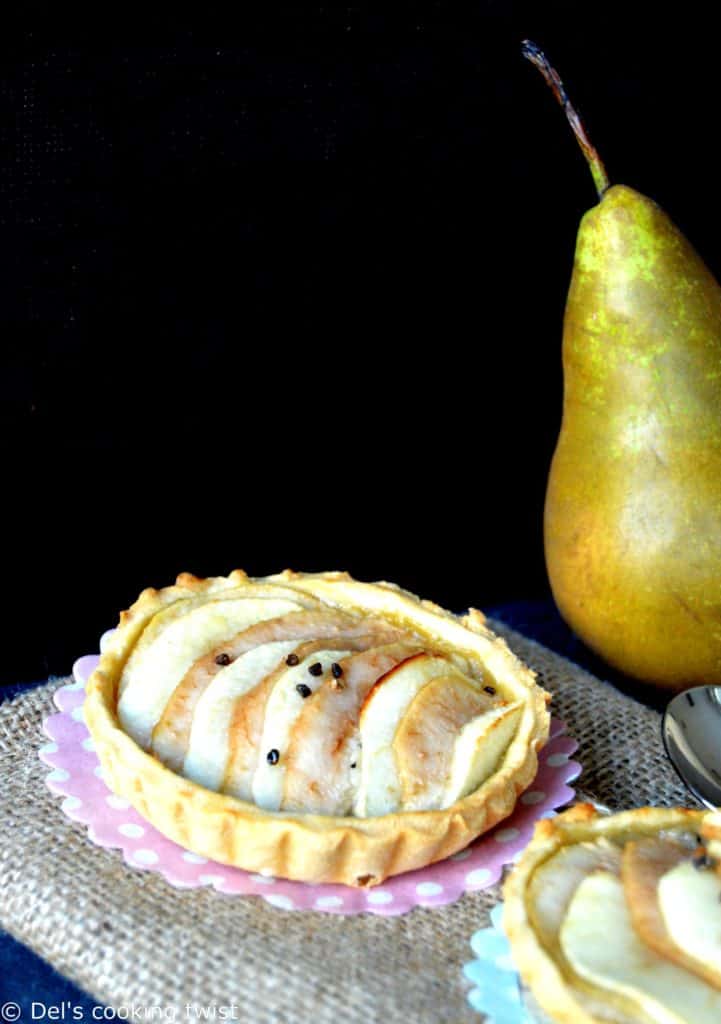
point(308, 847)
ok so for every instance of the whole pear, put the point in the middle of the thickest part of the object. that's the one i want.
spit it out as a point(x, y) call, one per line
point(632, 523)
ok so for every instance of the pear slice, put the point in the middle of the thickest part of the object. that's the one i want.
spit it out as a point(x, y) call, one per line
point(599, 942)
point(478, 750)
point(284, 705)
point(209, 747)
point(249, 718)
point(323, 756)
point(379, 791)
point(688, 899)
point(160, 661)
point(424, 740)
point(686, 927)
point(554, 882)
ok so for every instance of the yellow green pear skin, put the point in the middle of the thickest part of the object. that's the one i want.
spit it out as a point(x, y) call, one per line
point(632, 522)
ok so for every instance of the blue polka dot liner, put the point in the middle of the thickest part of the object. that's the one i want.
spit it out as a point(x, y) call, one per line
point(498, 991)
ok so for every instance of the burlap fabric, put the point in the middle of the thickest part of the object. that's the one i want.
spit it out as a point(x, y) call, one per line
point(128, 938)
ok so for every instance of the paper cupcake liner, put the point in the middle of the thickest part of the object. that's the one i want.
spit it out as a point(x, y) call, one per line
point(497, 991)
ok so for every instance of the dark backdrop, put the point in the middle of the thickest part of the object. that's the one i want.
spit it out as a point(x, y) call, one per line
point(290, 292)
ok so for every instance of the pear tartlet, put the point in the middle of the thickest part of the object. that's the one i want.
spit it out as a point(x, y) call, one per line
point(618, 918)
point(313, 727)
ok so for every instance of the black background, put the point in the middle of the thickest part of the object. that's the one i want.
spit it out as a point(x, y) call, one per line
point(289, 292)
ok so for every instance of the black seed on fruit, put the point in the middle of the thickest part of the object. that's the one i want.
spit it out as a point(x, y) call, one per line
point(316, 669)
point(354, 765)
point(491, 690)
point(222, 659)
point(273, 756)
point(336, 670)
point(702, 861)
point(292, 659)
point(303, 690)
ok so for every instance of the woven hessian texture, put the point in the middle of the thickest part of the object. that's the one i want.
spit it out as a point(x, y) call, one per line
point(127, 937)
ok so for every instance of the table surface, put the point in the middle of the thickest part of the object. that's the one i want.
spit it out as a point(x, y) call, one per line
point(26, 978)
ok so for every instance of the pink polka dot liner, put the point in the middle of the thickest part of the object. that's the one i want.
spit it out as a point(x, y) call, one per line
point(112, 822)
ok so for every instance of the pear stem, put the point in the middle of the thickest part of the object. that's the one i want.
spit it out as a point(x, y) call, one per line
point(538, 58)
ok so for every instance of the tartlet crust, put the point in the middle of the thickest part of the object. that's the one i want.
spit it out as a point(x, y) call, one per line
point(582, 823)
point(309, 847)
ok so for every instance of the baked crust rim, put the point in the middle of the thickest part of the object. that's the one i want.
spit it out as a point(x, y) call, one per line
point(311, 847)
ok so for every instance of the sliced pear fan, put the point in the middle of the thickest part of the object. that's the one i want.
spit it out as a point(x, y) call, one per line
point(234, 720)
point(670, 901)
point(601, 945)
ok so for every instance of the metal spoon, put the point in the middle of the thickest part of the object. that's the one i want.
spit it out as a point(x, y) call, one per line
point(691, 730)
